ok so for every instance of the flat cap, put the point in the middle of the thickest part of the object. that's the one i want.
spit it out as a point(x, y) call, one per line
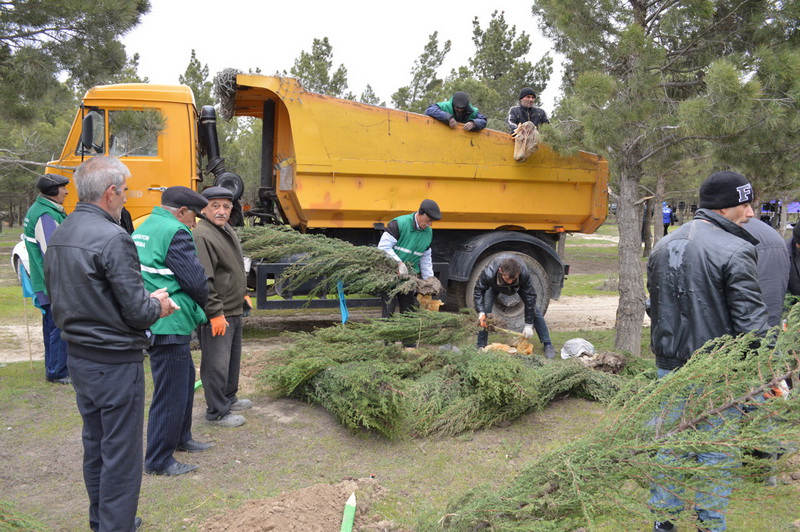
point(48, 184)
point(217, 193)
point(179, 196)
point(431, 209)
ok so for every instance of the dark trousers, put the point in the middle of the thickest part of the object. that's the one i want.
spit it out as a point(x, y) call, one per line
point(538, 321)
point(401, 303)
point(170, 421)
point(219, 366)
point(110, 399)
point(55, 349)
point(666, 229)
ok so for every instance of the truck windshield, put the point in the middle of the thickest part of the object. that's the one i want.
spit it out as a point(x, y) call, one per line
point(134, 133)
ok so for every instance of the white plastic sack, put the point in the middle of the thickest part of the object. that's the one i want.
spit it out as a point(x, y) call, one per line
point(576, 347)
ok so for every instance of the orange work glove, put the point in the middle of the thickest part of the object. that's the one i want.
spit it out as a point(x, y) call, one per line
point(248, 301)
point(482, 320)
point(218, 325)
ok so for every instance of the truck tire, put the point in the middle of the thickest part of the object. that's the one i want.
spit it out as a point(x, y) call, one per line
point(510, 309)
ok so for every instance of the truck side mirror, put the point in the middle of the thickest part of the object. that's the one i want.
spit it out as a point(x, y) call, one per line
point(87, 134)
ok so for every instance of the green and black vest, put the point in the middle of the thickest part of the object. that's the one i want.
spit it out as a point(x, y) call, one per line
point(413, 242)
point(152, 240)
point(35, 259)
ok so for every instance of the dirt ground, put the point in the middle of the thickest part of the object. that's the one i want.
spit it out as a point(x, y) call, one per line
point(569, 313)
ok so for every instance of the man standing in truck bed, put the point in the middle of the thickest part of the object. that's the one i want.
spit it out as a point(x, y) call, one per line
point(407, 239)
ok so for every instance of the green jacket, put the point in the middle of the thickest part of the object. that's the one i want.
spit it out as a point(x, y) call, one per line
point(413, 242)
point(152, 240)
point(36, 244)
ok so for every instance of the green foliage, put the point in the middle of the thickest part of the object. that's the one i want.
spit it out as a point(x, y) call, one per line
point(196, 78)
point(314, 71)
point(362, 377)
point(369, 96)
point(600, 476)
point(41, 40)
point(11, 519)
point(425, 85)
point(325, 261)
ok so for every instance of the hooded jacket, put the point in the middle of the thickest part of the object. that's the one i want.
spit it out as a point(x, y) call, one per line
point(703, 284)
point(491, 279)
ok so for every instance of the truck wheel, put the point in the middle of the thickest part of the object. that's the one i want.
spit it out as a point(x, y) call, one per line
point(510, 309)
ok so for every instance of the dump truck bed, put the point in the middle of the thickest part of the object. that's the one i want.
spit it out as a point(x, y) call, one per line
point(346, 164)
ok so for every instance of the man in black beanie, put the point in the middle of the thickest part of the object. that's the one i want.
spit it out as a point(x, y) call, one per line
point(703, 284)
point(793, 244)
point(526, 111)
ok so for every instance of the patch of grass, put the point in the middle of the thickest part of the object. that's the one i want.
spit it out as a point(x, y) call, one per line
point(586, 284)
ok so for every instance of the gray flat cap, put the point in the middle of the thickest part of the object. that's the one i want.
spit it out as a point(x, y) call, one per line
point(430, 208)
point(217, 193)
point(179, 196)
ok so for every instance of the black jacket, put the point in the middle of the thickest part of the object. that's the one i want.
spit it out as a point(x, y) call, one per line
point(703, 284)
point(794, 267)
point(519, 115)
point(95, 284)
point(491, 279)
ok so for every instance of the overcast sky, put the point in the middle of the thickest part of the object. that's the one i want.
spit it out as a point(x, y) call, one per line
point(376, 41)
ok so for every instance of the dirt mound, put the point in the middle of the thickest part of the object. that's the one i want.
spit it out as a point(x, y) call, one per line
point(317, 508)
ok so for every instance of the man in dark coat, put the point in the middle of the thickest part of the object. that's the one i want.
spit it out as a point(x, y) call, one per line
point(508, 275)
point(526, 111)
point(793, 246)
point(703, 284)
point(773, 267)
point(104, 312)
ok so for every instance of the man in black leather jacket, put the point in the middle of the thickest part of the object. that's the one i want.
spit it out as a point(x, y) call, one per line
point(103, 310)
point(703, 284)
point(508, 275)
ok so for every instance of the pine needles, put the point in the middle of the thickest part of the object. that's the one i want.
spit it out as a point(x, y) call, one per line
point(358, 373)
point(602, 475)
point(325, 261)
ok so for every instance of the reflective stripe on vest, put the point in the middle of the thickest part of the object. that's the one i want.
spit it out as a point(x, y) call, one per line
point(157, 271)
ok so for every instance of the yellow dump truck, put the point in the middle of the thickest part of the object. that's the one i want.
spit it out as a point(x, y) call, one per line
point(345, 169)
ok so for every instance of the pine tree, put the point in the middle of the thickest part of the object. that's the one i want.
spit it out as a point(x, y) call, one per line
point(314, 71)
point(425, 86)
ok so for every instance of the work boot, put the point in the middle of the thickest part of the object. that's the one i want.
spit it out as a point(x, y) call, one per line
point(664, 526)
point(241, 404)
point(549, 351)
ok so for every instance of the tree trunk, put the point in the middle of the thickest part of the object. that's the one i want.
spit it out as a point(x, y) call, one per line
point(647, 223)
point(658, 220)
point(630, 312)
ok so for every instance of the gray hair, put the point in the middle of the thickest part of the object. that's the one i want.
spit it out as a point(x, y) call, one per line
point(93, 177)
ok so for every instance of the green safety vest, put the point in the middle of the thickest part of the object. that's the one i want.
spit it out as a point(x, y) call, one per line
point(152, 240)
point(35, 259)
point(413, 242)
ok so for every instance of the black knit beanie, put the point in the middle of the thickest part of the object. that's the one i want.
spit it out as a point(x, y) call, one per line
point(725, 189)
point(526, 91)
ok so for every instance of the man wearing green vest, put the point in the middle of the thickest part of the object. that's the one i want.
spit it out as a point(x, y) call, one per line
point(42, 219)
point(407, 239)
point(169, 260)
point(457, 110)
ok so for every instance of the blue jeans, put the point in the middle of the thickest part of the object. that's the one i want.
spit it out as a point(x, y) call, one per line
point(712, 501)
point(55, 349)
point(538, 321)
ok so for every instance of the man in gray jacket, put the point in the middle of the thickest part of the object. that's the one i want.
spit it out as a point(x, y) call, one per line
point(103, 310)
point(703, 284)
point(221, 338)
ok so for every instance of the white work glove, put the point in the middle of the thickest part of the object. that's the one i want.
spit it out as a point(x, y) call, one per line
point(402, 269)
point(527, 332)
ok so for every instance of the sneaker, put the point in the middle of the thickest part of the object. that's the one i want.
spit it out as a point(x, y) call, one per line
point(63, 380)
point(242, 404)
point(664, 526)
point(137, 523)
point(229, 420)
point(193, 446)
